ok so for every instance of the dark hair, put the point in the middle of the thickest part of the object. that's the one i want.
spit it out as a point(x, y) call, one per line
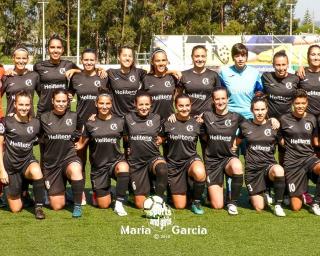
point(155, 51)
point(142, 94)
point(105, 94)
point(299, 93)
point(22, 93)
point(121, 48)
point(220, 88)
point(199, 46)
point(89, 50)
point(239, 48)
point(257, 98)
point(55, 37)
point(311, 47)
point(60, 90)
point(181, 96)
point(280, 54)
point(20, 48)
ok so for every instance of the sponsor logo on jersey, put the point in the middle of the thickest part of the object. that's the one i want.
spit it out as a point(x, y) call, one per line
point(307, 126)
point(80, 85)
point(300, 141)
point(227, 123)
point(88, 97)
point(97, 83)
point(45, 71)
point(249, 132)
point(19, 144)
point(313, 93)
point(141, 138)
point(132, 78)
point(30, 129)
point(50, 123)
point(289, 85)
point(267, 132)
point(127, 92)
point(95, 128)
point(11, 84)
point(69, 122)
point(220, 138)
point(28, 82)
point(205, 81)
point(116, 78)
point(152, 85)
point(197, 96)
point(2, 128)
point(172, 128)
point(53, 86)
point(47, 183)
point(167, 84)
point(149, 123)
point(12, 130)
point(106, 140)
point(59, 137)
point(182, 137)
point(279, 98)
point(162, 97)
point(133, 123)
point(189, 128)
point(62, 71)
point(114, 126)
point(260, 148)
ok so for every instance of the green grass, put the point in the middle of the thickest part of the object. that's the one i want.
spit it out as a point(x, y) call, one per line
point(98, 233)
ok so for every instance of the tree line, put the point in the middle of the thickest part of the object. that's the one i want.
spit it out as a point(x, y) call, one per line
point(107, 24)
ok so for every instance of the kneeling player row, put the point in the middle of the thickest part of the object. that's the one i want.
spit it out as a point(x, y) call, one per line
point(61, 134)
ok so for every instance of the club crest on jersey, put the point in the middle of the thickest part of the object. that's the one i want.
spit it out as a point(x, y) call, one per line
point(69, 122)
point(289, 85)
point(149, 123)
point(47, 183)
point(205, 81)
point(113, 127)
point(132, 79)
point(189, 128)
point(167, 84)
point(30, 129)
point(28, 82)
point(307, 126)
point(267, 132)
point(97, 83)
point(1, 128)
point(62, 71)
point(227, 123)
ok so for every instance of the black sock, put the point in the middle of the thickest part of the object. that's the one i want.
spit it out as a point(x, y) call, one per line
point(236, 185)
point(316, 199)
point(279, 188)
point(122, 185)
point(38, 191)
point(161, 178)
point(198, 188)
point(77, 187)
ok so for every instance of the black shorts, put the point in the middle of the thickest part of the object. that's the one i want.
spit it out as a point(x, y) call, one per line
point(55, 179)
point(216, 170)
point(178, 176)
point(17, 179)
point(101, 178)
point(257, 181)
point(141, 175)
point(297, 178)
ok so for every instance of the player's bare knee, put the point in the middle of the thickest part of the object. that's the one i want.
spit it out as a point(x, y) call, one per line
point(217, 205)
point(57, 206)
point(16, 209)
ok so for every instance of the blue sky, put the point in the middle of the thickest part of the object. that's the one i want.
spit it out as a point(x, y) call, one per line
point(311, 5)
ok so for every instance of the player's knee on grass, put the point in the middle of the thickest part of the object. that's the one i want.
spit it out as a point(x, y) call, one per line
point(57, 202)
point(138, 201)
point(179, 202)
point(104, 202)
point(295, 203)
point(257, 202)
point(15, 204)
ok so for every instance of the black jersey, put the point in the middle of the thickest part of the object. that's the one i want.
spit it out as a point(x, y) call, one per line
point(298, 134)
point(142, 135)
point(57, 132)
point(262, 140)
point(182, 140)
point(104, 137)
point(19, 140)
point(311, 84)
point(124, 88)
point(280, 92)
point(199, 87)
point(13, 84)
point(221, 132)
point(52, 76)
point(86, 88)
point(162, 91)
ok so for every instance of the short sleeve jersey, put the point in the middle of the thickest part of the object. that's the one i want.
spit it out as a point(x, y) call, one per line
point(298, 134)
point(13, 84)
point(57, 131)
point(280, 92)
point(262, 140)
point(199, 88)
point(221, 131)
point(104, 140)
point(87, 89)
point(311, 84)
point(124, 88)
point(19, 140)
point(182, 140)
point(52, 76)
point(142, 135)
point(162, 91)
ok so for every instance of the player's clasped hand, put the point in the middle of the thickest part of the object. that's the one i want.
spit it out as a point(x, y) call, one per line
point(4, 177)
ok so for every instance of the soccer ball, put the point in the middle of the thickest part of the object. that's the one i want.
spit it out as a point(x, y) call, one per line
point(154, 207)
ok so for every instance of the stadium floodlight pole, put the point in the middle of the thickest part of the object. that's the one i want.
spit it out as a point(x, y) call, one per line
point(78, 35)
point(43, 31)
point(291, 10)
